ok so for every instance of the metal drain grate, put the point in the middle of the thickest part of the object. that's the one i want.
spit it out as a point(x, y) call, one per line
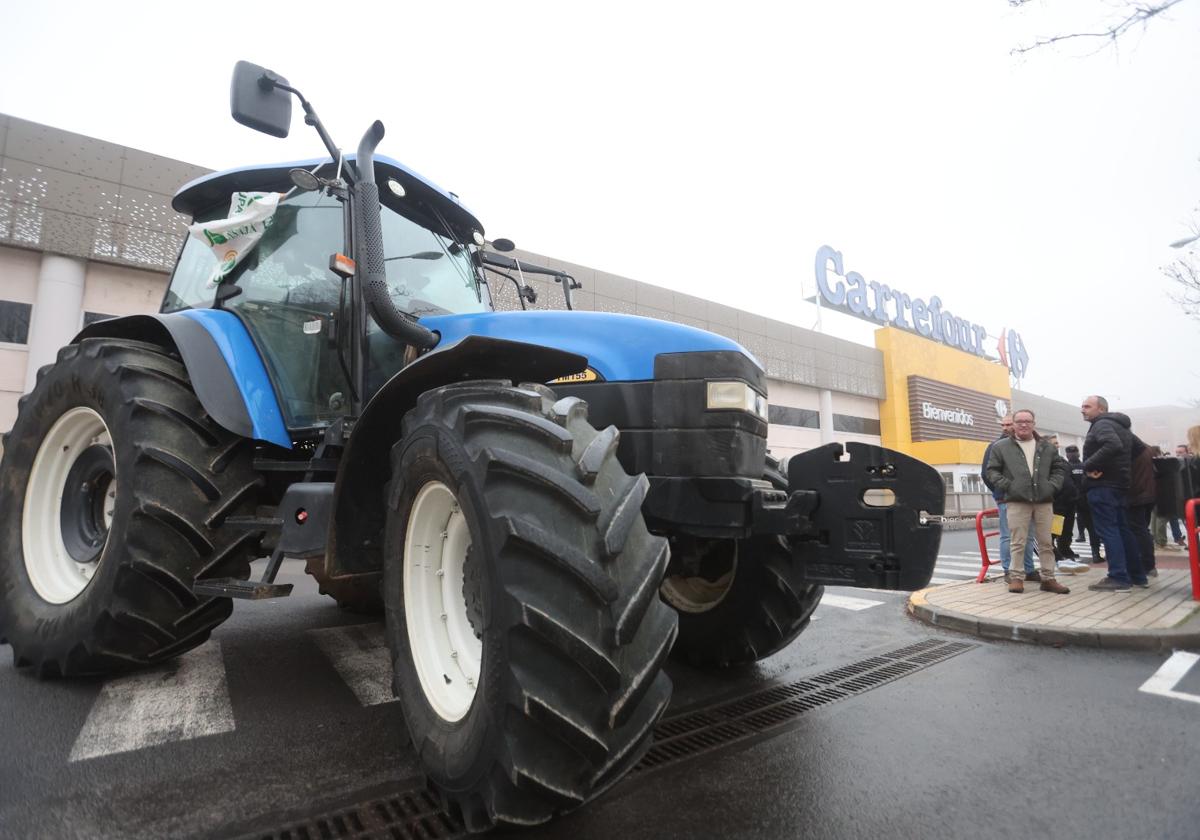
point(698, 732)
point(405, 815)
point(413, 813)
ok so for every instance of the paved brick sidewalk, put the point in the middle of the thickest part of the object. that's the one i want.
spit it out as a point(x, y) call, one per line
point(1161, 617)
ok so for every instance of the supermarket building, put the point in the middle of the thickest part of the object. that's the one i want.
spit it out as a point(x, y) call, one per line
point(87, 232)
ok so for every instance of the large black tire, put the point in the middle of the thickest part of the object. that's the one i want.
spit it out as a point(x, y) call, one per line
point(749, 602)
point(177, 477)
point(560, 586)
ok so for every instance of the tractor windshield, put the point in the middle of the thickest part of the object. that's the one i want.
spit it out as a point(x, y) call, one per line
point(428, 273)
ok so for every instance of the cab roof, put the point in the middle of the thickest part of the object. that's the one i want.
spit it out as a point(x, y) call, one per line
point(422, 196)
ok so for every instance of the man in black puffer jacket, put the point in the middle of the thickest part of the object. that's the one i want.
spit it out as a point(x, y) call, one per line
point(1107, 453)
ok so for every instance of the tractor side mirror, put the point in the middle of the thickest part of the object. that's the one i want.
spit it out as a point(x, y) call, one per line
point(257, 101)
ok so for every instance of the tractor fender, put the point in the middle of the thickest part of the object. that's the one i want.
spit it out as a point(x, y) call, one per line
point(354, 544)
point(224, 366)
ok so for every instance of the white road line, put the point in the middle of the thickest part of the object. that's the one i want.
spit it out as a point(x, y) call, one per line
point(937, 581)
point(360, 655)
point(845, 602)
point(184, 699)
point(961, 567)
point(1168, 676)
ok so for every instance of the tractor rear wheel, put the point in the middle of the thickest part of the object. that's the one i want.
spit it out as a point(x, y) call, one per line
point(113, 488)
point(522, 612)
point(742, 600)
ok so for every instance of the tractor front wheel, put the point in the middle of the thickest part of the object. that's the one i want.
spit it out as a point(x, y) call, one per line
point(521, 585)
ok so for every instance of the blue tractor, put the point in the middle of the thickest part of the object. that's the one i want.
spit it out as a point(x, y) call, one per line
point(543, 504)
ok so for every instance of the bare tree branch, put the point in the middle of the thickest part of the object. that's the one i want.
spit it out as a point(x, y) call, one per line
point(1186, 274)
point(1136, 14)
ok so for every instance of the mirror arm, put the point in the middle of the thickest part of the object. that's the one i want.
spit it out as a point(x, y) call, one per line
point(524, 292)
point(311, 118)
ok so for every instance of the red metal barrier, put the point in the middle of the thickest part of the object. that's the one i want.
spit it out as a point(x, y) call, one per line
point(1189, 515)
point(983, 552)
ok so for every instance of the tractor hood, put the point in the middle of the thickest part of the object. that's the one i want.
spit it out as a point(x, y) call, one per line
point(618, 347)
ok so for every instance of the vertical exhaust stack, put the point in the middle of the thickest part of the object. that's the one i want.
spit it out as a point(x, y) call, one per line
point(369, 236)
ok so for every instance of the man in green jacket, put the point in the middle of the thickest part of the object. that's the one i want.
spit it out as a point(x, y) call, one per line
point(1029, 471)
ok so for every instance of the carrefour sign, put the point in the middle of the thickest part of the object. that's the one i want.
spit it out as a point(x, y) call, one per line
point(850, 292)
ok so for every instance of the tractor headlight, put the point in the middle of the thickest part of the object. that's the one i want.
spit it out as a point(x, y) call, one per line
point(736, 396)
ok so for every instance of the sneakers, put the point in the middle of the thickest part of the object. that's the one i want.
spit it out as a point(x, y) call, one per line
point(1055, 587)
point(1110, 585)
point(1033, 577)
point(1016, 585)
point(1153, 573)
point(1145, 584)
point(1073, 567)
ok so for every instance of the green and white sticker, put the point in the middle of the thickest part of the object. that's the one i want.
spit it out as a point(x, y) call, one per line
point(250, 214)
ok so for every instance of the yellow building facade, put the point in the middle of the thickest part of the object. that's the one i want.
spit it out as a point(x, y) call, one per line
point(943, 405)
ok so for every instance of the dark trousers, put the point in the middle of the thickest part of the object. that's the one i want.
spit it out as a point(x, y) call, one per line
point(1062, 543)
point(1139, 523)
point(1107, 505)
point(1085, 522)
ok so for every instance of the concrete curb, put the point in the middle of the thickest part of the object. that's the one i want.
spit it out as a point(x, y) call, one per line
point(1047, 634)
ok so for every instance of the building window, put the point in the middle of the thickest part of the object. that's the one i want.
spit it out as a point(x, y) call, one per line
point(972, 484)
point(90, 318)
point(784, 415)
point(948, 480)
point(14, 321)
point(855, 425)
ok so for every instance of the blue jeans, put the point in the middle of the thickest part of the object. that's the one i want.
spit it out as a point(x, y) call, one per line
point(1120, 545)
point(1006, 540)
point(1176, 530)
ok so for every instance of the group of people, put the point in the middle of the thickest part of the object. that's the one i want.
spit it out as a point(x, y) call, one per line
point(1123, 490)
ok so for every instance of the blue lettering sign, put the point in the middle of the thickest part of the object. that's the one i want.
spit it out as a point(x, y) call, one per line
point(825, 255)
point(869, 301)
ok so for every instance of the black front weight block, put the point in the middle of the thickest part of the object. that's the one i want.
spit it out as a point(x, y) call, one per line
point(860, 538)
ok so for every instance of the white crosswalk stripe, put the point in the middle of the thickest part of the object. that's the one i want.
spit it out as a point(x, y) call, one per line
point(945, 564)
point(184, 699)
point(845, 602)
point(360, 655)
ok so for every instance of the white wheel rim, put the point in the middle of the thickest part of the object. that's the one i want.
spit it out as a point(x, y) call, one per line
point(445, 651)
point(56, 576)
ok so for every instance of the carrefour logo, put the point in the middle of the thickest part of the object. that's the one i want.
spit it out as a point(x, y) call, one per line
point(878, 302)
point(947, 415)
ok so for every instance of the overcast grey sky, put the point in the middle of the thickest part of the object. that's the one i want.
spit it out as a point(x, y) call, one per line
point(712, 148)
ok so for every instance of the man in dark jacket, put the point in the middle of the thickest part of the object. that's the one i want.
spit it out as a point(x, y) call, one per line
point(1107, 452)
point(1029, 471)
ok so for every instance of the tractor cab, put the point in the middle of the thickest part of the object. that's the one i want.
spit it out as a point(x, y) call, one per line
point(295, 304)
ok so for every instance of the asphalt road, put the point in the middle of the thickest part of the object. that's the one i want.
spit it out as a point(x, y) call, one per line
point(260, 730)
